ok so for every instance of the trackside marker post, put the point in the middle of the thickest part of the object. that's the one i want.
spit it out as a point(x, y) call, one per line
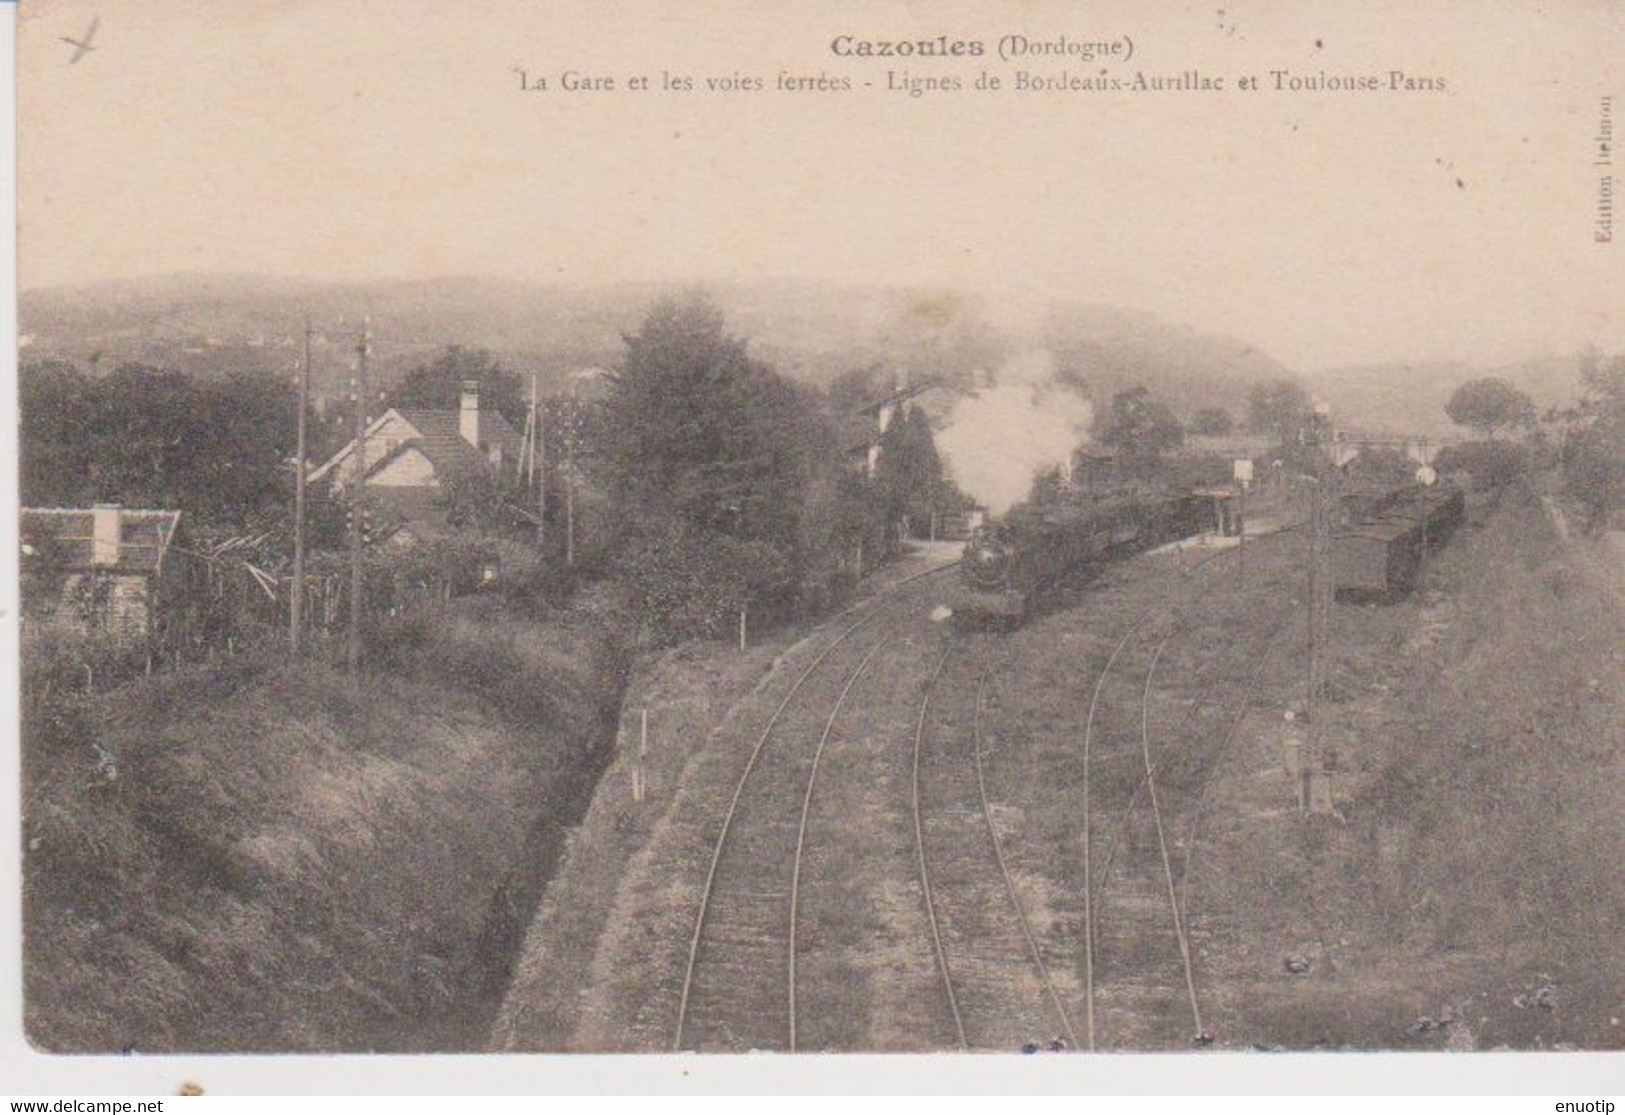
point(638, 787)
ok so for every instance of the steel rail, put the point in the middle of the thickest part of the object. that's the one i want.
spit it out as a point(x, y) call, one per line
point(1089, 733)
point(919, 844)
point(1162, 840)
point(886, 601)
point(1004, 870)
point(1088, 736)
point(801, 831)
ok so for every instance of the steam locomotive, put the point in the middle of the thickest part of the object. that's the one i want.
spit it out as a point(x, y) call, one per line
point(1008, 568)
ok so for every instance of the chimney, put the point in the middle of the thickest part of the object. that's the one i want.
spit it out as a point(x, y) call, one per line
point(468, 419)
point(107, 531)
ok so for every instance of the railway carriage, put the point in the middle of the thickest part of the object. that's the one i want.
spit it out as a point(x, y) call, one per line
point(1007, 568)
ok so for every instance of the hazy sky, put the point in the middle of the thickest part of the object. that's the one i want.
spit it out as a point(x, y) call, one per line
point(341, 139)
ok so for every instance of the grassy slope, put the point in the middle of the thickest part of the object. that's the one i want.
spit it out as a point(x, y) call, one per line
point(688, 691)
point(252, 857)
point(1479, 730)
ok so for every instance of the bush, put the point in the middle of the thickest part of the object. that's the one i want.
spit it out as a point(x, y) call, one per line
point(1491, 464)
point(1594, 472)
point(686, 583)
point(59, 659)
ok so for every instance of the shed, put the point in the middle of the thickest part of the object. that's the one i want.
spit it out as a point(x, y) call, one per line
point(104, 571)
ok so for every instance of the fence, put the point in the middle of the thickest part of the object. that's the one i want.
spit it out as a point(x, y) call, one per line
point(206, 608)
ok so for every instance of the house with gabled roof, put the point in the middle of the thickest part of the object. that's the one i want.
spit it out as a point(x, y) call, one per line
point(409, 452)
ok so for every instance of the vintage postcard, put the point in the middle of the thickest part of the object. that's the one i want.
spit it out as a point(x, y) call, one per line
point(968, 527)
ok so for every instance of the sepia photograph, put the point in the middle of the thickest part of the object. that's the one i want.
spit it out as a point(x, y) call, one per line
point(819, 528)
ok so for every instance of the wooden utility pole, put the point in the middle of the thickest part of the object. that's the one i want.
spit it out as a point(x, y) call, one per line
point(358, 490)
point(569, 516)
point(1241, 528)
point(569, 432)
point(1316, 791)
point(296, 602)
point(538, 464)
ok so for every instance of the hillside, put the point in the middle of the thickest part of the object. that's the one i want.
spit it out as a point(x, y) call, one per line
point(255, 856)
point(212, 326)
point(220, 325)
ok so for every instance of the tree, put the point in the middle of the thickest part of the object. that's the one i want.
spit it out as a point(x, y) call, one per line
point(699, 441)
point(856, 388)
point(1046, 487)
point(1489, 464)
point(686, 581)
point(150, 437)
point(694, 425)
point(438, 385)
point(1139, 426)
point(1489, 405)
point(910, 481)
point(55, 401)
point(1381, 463)
point(1277, 407)
point(843, 525)
point(1212, 422)
point(481, 499)
point(1593, 453)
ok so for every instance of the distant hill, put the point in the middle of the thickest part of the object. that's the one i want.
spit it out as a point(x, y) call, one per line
point(218, 325)
point(1111, 348)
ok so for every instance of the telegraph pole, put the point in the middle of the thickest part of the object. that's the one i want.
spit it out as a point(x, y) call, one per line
point(296, 603)
point(1316, 794)
point(1241, 529)
point(357, 497)
point(538, 463)
point(570, 481)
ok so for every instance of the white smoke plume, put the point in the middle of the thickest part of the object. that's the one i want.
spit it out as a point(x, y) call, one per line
point(1023, 422)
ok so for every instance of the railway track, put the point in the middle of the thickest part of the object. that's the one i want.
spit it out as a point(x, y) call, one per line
point(742, 983)
point(738, 982)
point(996, 980)
point(1139, 970)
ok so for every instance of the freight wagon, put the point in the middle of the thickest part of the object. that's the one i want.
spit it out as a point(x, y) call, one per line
point(1380, 557)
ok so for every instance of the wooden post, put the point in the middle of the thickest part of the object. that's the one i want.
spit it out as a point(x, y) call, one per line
point(1241, 531)
point(1317, 797)
point(538, 465)
point(643, 751)
point(569, 515)
point(357, 493)
point(569, 431)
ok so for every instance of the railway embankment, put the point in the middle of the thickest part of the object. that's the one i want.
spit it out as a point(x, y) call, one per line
point(1464, 896)
point(258, 856)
